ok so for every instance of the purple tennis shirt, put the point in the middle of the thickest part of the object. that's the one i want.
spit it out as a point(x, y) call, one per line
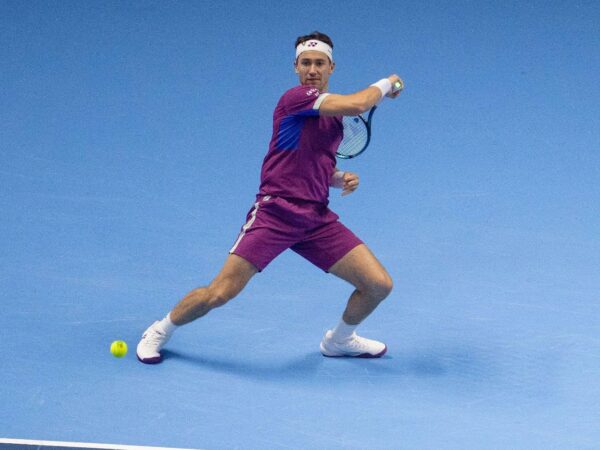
point(301, 156)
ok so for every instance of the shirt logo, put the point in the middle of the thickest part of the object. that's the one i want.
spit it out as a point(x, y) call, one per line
point(313, 91)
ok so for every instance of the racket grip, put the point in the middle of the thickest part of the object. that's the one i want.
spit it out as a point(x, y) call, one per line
point(397, 86)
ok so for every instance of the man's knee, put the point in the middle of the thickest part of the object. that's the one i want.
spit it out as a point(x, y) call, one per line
point(222, 291)
point(379, 286)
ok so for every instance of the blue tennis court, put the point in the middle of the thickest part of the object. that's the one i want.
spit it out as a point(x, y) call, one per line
point(131, 138)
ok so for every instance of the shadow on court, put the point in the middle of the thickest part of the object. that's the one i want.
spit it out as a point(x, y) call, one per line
point(460, 364)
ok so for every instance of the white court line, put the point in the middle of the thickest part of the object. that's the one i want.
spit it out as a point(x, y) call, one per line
point(85, 445)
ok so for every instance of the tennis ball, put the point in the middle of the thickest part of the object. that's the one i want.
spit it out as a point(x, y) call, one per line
point(118, 349)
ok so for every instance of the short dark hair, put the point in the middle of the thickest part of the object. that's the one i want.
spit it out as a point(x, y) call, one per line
point(314, 35)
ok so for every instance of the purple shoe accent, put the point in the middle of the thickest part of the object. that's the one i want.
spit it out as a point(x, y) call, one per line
point(362, 355)
point(155, 360)
point(378, 355)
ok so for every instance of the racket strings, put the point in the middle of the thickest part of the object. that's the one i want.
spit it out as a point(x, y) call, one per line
point(356, 137)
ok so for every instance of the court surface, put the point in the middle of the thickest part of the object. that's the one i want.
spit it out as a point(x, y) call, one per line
point(132, 135)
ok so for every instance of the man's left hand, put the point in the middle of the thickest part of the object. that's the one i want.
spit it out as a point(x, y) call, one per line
point(351, 182)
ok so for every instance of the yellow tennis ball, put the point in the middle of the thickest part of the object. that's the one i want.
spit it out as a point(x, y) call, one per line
point(118, 349)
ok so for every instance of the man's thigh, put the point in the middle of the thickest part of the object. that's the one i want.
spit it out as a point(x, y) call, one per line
point(362, 269)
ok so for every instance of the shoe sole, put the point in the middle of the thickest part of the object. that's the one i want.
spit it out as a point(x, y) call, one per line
point(362, 355)
point(155, 360)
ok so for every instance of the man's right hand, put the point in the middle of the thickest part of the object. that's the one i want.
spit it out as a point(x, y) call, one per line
point(394, 79)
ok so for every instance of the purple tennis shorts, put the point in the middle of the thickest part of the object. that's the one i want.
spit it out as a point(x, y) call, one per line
point(310, 229)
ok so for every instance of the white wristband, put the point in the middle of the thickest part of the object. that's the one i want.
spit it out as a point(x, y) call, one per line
point(337, 179)
point(385, 86)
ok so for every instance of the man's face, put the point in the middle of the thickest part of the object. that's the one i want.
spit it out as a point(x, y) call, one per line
point(313, 69)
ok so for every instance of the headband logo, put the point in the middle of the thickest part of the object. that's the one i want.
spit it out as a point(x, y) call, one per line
point(312, 44)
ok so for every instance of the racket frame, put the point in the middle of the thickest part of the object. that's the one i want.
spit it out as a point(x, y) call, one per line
point(367, 124)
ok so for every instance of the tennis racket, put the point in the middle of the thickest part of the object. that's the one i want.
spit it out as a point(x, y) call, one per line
point(357, 131)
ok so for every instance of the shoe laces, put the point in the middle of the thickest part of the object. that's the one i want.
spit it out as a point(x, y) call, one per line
point(355, 341)
point(154, 336)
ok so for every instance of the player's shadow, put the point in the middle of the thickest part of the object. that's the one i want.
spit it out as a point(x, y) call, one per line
point(301, 367)
point(428, 363)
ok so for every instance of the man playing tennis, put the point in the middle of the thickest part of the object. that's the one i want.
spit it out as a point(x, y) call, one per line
point(291, 209)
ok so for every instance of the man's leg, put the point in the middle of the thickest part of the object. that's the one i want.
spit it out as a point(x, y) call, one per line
point(373, 284)
point(232, 278)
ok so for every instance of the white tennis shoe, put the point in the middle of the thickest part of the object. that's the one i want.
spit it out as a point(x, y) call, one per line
point(153, 340)
point(354, 347)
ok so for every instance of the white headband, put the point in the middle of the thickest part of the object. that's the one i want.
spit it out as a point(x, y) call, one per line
point(315, 45)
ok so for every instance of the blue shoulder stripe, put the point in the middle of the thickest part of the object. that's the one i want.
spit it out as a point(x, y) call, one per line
point(290, 128)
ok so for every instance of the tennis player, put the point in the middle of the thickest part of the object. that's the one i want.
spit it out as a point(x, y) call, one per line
point(291, 209)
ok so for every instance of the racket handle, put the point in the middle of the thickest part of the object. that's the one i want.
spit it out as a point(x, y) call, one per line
point(397, 86)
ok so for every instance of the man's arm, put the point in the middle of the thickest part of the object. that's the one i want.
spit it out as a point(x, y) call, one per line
point(357, 103)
